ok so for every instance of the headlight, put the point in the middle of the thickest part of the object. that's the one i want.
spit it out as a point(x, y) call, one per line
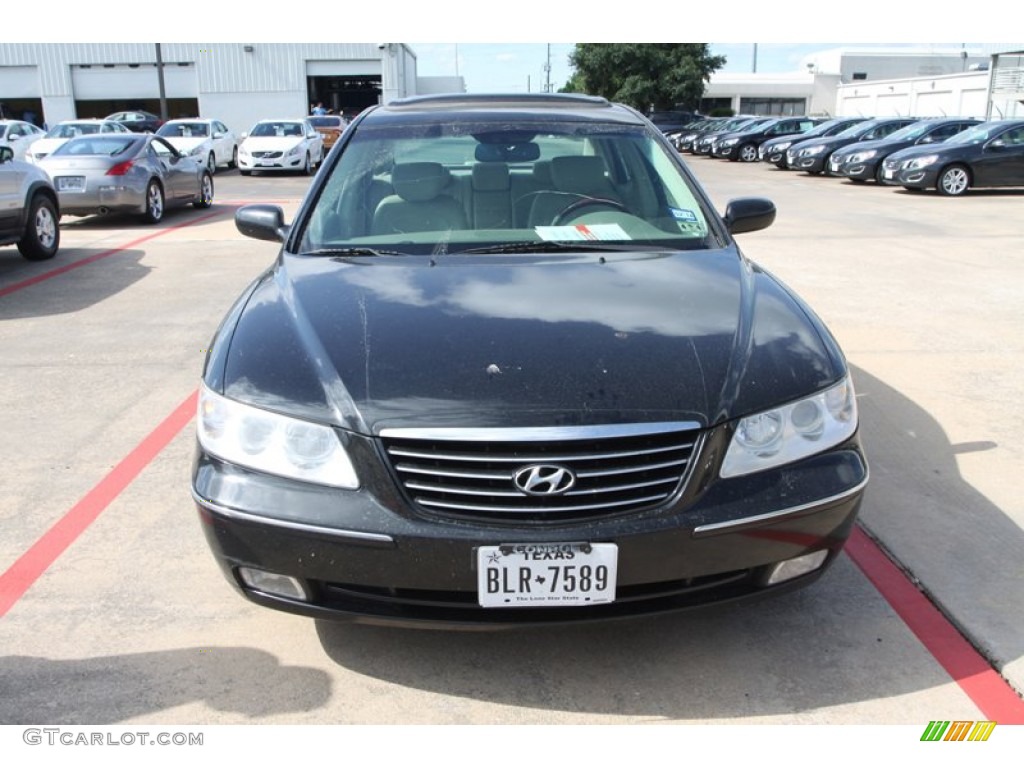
point(781, 147)
point(272, 443)
point(792, 432)
point(815, 150)
point(197, 151)
point(860, 157)
point(920, 162)
point(730, 142)
point(294, 150)
point(243, 151)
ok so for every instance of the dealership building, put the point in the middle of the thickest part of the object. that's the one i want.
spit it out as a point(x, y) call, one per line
point(234, 82)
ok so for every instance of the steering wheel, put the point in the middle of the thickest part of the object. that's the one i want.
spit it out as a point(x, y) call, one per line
point(586, 202)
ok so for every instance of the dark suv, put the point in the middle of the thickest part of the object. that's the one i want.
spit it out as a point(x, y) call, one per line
point(511, 367)
point(29, 210)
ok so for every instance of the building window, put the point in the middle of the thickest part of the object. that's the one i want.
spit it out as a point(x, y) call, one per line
point(860, 75)
point(776, 107)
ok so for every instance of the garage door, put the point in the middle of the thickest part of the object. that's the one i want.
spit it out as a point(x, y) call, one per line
point(19, 83)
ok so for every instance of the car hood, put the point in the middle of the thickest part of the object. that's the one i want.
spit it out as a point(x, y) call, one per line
point(271, 143)
point(382, 342)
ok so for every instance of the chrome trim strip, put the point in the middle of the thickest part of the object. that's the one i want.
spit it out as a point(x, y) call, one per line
point(704, 530)
point(512, 434)
point(358, 537)
point(539, 459)
point(594, 508)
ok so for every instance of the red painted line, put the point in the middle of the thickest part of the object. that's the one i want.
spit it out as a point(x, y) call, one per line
point(17, 579)
point(991, 694)
point(96, 257)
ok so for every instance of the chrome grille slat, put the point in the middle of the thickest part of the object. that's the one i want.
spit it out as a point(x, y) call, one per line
point(617, 470)
point(518, 511)
point(530, 459)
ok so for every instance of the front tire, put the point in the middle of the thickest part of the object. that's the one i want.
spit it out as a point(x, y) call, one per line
point(205, 199)
point(953, 181)
point(211, 164)
point(233, 163)
point(307, 169)
point(42, 233)
point(154, 203)
point(748, 153)
point(244, 172)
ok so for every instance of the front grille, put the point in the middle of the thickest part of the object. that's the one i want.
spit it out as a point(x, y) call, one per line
point(616, 470)
point(267, 155)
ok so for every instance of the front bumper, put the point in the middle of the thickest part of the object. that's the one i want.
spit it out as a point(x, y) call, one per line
point(367, 556)
point(285, 163)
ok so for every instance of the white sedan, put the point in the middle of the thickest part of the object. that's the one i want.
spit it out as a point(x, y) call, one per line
point(19, 136)
point(69, 129)
point(281, 145)
point(208, 142)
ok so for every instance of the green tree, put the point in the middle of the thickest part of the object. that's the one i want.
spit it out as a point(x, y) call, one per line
point(644, 75)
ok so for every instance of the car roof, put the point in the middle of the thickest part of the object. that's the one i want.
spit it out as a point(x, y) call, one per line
point(540, 107)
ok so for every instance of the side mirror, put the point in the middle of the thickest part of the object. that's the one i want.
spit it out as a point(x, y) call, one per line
point(927, 140)
point(244, 134)
point(748, 214)
point(262, 222)
point(218, 135)
point(997, 145)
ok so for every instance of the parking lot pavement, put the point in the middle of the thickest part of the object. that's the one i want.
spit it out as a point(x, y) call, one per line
point(121, 616)
point(926, 300)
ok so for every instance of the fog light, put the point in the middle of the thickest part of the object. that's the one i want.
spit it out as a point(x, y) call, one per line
point(798, 566)
point(273, 584)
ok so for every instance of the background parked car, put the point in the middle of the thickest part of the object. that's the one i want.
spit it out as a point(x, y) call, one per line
point(863, 161)
point(812, 155)
point(19, 136)
point(281, 145)
point(686, 136)
point(29, 208)
point(744, 144)
point(670, 120)
point(137, 120)
point(705, 145)
point(987, 155)
point(330, 128)
point(774, 150)
point(68, 129)
point(133, 173)
point(206, 141)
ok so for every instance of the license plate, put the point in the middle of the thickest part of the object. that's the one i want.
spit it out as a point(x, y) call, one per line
point(538, 575)
point(889, 174)
point(71, 183)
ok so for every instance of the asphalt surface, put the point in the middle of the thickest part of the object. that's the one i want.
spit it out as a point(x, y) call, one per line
point(113, 611)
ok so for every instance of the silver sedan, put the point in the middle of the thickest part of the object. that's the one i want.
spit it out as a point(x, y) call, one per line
point(134, 173)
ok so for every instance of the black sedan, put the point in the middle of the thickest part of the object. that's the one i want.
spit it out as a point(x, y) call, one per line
point(812, 155)
point(510, 367)
point(743, 144)
point(988, 155)
point(774, 150)
point(137, 120)
point(863, 161)
point(706, 143)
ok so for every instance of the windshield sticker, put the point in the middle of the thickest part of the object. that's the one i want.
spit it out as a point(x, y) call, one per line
point(583, 232)
point(681, 214)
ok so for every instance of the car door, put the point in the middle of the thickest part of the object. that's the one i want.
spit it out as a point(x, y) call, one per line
point(223, 142)
point(178, 173)
point(10, 196)
point(1002, 160)
point(314, 142)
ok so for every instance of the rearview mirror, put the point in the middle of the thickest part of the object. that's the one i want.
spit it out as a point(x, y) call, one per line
point(749, 214)
point(263, 222)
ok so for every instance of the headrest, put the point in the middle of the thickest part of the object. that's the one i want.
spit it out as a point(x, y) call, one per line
point(578, 173)
point(418, 182)
point(542, 174)
point(490, 177)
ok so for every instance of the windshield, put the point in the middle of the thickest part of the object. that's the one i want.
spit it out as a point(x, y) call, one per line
point(70, 130)
point(277, 129)
point(912, 131)
point(977, 134)
point(443, 188)
point(184, 130)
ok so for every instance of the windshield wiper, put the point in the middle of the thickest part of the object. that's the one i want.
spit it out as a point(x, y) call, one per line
point(360, 251)
point(550, 246)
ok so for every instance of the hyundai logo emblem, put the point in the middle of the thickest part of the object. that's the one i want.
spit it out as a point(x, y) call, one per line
point(544, 480)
